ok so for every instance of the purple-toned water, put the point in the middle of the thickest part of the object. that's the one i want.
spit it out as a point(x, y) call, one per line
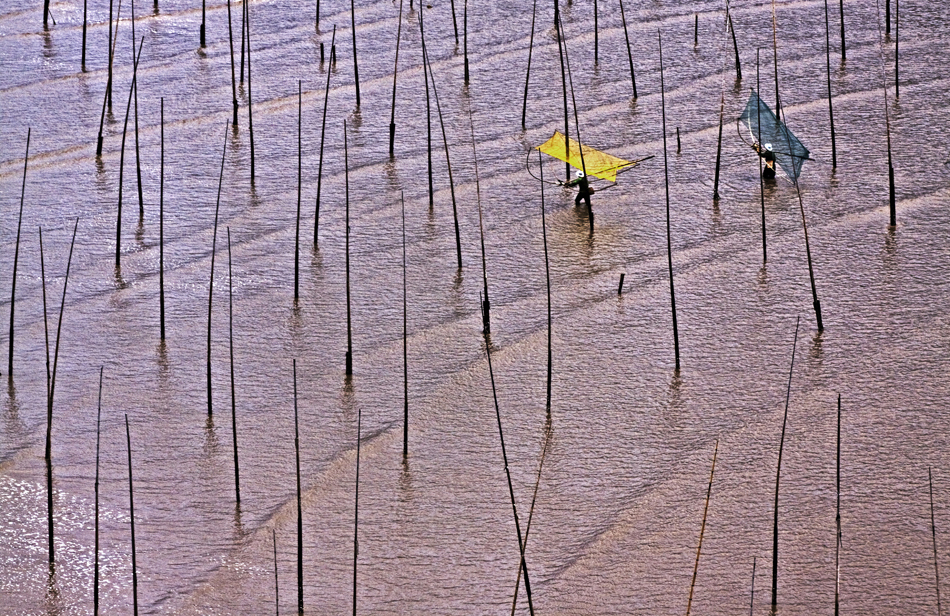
point(621, 496)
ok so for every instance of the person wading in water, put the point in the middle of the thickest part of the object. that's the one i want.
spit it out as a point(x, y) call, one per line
point(584, 191)
point(769, 156)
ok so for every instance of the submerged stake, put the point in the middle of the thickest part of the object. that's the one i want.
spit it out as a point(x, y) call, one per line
point(237, 476)
point(722, 107)
point(214, 241)
point(669, 243)
point(626, 35)
point(299, 507)
point(16, 255)
point(349, 322)
point(323, 132)
point(161, 229)
point(527, 77)
point(392, 117)
point(702, 529)
point(135, 575)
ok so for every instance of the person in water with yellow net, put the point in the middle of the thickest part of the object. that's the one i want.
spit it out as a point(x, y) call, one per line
point(768, 156)
point(584, 191)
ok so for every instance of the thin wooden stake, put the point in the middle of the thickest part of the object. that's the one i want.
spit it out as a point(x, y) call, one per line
point(702, 529)
point(679, 146)
point(316, 16)
point(722, 107)
point(455, 24)
point(243, 36)
point(161, 229)
point(758, 112)
point(107, 96)
point(486, 305)
point(425, 75)
point(735, 45)
point(276, 586)
point(323, 132)
point(59, 329)
point(16, 255)
point(392, 117)
point(299, 189)
point(626, 35)
point(596, 36)
point(356, 68)
point(511, 490)
point(669, 242)
point(696, 31)
point(82, 62)
point(135, 575)
point(465, 39)
point(831, 114)
point(234, 120)
point(547, 278)
point(49, 423)
point(897, 48)
point(356, 506)
point(527, 77)
point(445, 141)
point(237, 475)
point(138, 158)
point(752, 593)
point(214, 242)
point(299, 506)
point(95, 574)
point(841, 10)
point(887, 16)
point(778, 475)
point(838, 510)
point(118, 223)
point(933, 532)
point(349, 322)
point(250, 107)
point(561, 43)
point(201, 32)
point(405, 341)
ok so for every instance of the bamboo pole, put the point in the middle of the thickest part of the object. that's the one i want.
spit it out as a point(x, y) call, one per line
point(299, 506)
point(118, 224)
point(445, 141)
point(392, 117)
point(831, 115)
point(49, 423)
point(838, 510)
point(841, 10)
point(626, 36)
point(511, 490)
point(596, 37)
point(455, 24)
point(722, 107)
point(95, 566)
point(214, 242)
point(82, 62)
point(669, 242)
point(425, 75)
point(234, 100)
point(758, 112)
point(405, 341)
point(250, 107)
point(356, 68)
point(465, 39)
point(547, 278)
point(778, 475)
point(486, 305)
point(323, 132)
point(135, 575)
point(567, 131)
point(527, 77)
point(107, 96)
point(59, 329)
point(16, 255)
point(702, 529)
point(356, 506)
point(897, 48)
point(349, 320)
point(577, 123)
point(237, 476)
point(752, 593)
point(299, 189)
point(933, 532)
point(276, 586)
point(735, 44)
point(138, 158)
point(243, 37)
point(201, 32)
point(161, 228)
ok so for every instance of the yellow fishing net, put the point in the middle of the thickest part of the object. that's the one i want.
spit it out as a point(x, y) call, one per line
point(598, 164)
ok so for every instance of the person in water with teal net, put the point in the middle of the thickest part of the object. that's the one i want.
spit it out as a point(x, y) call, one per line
point(768, 155)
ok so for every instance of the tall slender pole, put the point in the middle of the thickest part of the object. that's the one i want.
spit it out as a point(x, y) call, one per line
point(758, 123)
point(702, 529)
point(841, 10)
point(59, 330)
point(465, 39)
point(448, 162)
point(626, 36)
point(201, 31)
point(349, 322)
point(118, 224)
point(669, 242)
point(82, 62)
point(933, 532)
point(486, 305)
point(250, 107)
point(405, 341)
point(455, 24)
point(356, 68)
point(299, 506)
point(897, 49)
point(234, 101)
point(49, 423)
point(276, 585)
point(425, 75)
point(547, 278)
point(237, 475)
point(735, 44)
point(138, 158)
point(135, 575)
point(161, 229)
point(95, 567)
point(887, 16)
point(323, 132)
point(111, 51)
point(722, 108)
point(524, 105)
point(567, 131)
point(243, 37)
point(778, 475)
point(838, 510)
point(299, 189)
point(831, 114)
point(214, 241)
point(316, 17)
point(16, 255)
point(511, 490)
point(596, 36)
point(392, 117)
point(356, 506)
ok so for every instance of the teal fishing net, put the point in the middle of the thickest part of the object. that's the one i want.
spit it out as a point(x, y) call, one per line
point(764, 128)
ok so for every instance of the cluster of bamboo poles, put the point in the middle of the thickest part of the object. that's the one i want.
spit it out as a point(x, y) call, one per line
point(238, 75)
